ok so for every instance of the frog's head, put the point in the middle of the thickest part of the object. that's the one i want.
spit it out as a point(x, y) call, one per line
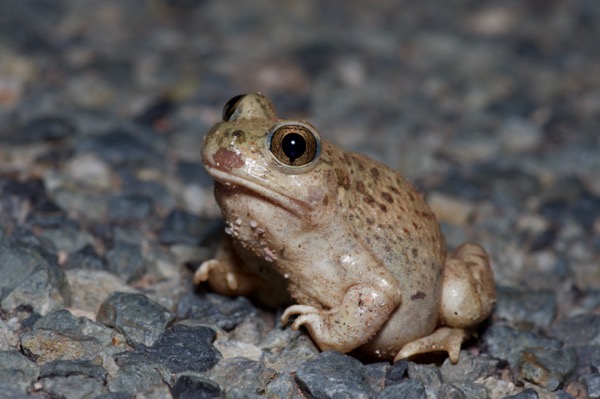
point(279, 160)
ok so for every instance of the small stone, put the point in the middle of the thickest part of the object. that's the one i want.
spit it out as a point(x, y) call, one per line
point(468, 368)
point(450, 391)
point(408, 389)
point(396, 373)
point(377, 373)
point(8, 390)
point(75, 387)
point(189, 386)
point(184, 228)
point(115, 395)
point(125, 260)
point(92, 287)
point(242, 373)
point(216, 309)
point(525, 306)
point(67, 237)
point(90, 171)
point(26, 277)
point(592, 385)
point(45, 346)
point(129, 208)
point(506, 343)
point(529, 393)
point(139, 377)
point(67, 368)
point(333, 374)
point(428, 374)
point(45, 128)
point(547, 368)
point(283, 386)
point(286, 349)
point(472, 390)
point(141, 320)
point(17, 370)
point(120, 147)
point(578, 330)
point(237, 393)
point(181, 349)
point(233, 348)
point(85, 258)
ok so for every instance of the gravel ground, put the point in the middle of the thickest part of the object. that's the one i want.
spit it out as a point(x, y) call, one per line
point(491, 108)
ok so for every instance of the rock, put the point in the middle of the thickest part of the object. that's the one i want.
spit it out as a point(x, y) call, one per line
point(46, 345)
point(216, 309)
point(135, 378)
point(120, 147)
point(141, 320)
point(428, 374)
point(525, 306)
point(184, 228)
point(592, 385)
point(26, 277)
point(396, 373)
point(76, 387)
point(506, 343)
point(125, 260)
point(89, 170)
point(45, 128)
point(333, 374)
point(129, 208)
point(115, 395)
point(377, 373)
point(8, 390)
point(17, 370)
point(85, 258)
point(450, 391)
point(578, 330)
point(92, 287)
point(286, 349)
point(189, 386)
point(472, 390)
point(242, 373)
point(548, 368)
point(408, 389)
point(283, 386)
point(181, 349)
point(59, 320)
point(68, 368)
point(468, 368)
point(526, 394)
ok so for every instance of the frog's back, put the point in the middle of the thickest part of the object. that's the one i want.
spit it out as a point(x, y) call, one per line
point(385, 212)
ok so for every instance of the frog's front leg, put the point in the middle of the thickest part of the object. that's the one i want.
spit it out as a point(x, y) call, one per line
point(362, 312)
point(226, 272)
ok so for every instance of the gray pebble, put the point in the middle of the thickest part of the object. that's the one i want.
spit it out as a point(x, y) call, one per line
point(67, 368)
point(428, 374)
point(333, 374)
point(125, 260)
point(182, 227)
point(506, 343)
point(115, 395)
point(547, 368)
point(194, 387)
point(592, 385)
point(241, 373)
point(525, 306)
point(92, 287)
point(74, 387)
point(140, 319)
point(17, 369)
point(120, 147)
point(129, 208)
point(139, 377)
point(26, 277)
point(85, 258)
point(578, 330)
point(283, 386)
point(377, 373)
point(408, 389)
point(181, 349)
point(10, 390)
point(211, 308)
point(450, 391)
point(529, 393)
point(469, 368)
point(472, 390)
point(59, 320)
point(396, 373)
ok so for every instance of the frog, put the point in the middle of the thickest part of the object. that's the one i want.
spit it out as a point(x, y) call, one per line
point(348, 245)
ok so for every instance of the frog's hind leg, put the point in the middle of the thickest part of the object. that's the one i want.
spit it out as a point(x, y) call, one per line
point(468, 297)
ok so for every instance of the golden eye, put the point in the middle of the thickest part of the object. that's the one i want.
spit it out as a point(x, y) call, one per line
point(231, 106)
point(294, 145)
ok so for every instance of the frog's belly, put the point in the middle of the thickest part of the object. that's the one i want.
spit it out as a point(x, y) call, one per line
point(416, 317)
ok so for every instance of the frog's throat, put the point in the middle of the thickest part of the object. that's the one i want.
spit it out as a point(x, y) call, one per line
point(295, 206)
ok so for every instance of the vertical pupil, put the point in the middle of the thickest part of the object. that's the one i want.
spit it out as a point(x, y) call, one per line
point(293, 146)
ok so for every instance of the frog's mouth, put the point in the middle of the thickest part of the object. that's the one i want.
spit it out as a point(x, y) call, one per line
point(229, 181)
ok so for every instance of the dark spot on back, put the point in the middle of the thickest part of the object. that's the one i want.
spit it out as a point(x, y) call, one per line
point(360, 187)
point(418, 295)
point(415, 252)
point(387, 197)
point(375, 173)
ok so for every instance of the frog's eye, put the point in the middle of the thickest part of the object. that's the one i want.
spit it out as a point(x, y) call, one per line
point(231, 106)
point(294, 144)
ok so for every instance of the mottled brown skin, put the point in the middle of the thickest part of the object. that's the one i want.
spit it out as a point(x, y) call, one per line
point(346, 238)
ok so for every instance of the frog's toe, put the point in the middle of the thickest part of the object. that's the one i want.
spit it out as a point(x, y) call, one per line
point(297, 310)
point(444, 339)
point(203, 271)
